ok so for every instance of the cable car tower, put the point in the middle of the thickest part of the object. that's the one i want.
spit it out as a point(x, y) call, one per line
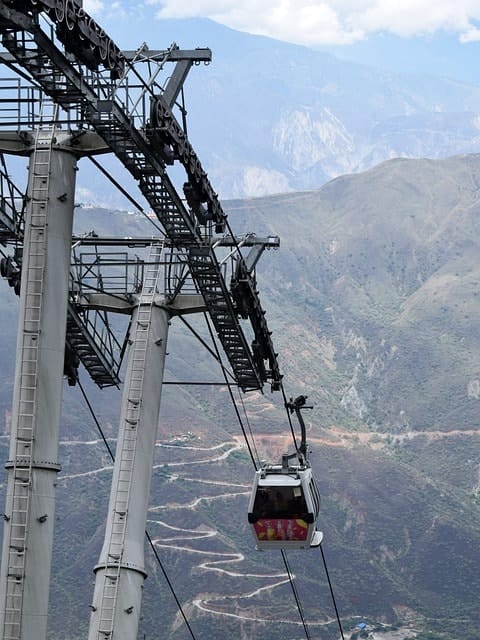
point(77, 94)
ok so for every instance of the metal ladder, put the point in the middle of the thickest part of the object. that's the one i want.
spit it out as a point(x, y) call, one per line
point(126, 448)
point(208, 276)
point(33, 283)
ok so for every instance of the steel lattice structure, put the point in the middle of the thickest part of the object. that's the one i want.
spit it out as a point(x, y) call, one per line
point(135, 119)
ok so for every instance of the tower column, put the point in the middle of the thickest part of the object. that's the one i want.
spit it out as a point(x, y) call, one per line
point(33, 464)
point(120, 572)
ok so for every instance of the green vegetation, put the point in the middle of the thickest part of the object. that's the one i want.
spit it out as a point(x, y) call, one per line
point(374, 302)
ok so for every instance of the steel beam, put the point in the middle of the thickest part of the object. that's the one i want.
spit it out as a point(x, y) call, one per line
point(120, 572)
point(33, 458)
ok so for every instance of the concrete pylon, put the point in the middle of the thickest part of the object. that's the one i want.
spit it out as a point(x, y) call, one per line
point(120, 572)
point(33, 456)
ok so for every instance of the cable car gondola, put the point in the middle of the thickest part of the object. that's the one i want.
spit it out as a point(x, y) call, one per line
point(285, 503)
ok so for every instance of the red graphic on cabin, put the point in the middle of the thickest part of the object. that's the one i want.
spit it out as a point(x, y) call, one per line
point(281, 529)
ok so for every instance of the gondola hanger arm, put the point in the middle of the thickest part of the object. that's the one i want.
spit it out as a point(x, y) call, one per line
point(296, 406)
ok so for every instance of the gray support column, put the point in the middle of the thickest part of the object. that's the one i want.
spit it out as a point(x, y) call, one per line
point(33, 464)
point(120, 572)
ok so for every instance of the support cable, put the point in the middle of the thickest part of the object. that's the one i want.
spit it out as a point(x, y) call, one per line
point(321, 547)
point(255, 461)
point(97, 423)
point(253, 452)
point(284, 553)
point(248, 425)
point(213, 352)
point(331, 593)
point(150, 541)
point(125, 193)
point(254, 456)
point(170, 585)
point(295, 594)
point(289, 417)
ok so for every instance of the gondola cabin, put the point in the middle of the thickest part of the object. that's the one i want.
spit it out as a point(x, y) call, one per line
point(284, 508)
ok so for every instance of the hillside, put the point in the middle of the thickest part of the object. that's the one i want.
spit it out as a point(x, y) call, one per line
point(373, 300)
point(381, 273)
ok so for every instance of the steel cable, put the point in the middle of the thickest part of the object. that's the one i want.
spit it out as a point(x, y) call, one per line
point(253, 456)
point(255, 460)
point(150, 541)
point(331, 593)
point(295, 595)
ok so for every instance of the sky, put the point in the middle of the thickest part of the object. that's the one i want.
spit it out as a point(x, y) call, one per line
point(313, 23)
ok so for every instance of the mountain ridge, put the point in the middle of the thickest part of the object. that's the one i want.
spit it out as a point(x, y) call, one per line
point(371, 299)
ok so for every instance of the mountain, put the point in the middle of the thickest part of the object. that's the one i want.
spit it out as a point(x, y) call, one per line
point(396, 249)
point(268, 117)
point(373, 299)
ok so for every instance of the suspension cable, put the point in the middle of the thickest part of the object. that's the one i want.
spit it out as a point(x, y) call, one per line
point(285, 403)
point(213, 352)
point(295, 594)
point(150, 541)
point(125, 193)
point(255, 464)
point(252, 438)
point(170, 585)
point(332, 594)
point(255, 460)
point(253, 453)
point(97, 423)
point(321, 547)
point(254, 456)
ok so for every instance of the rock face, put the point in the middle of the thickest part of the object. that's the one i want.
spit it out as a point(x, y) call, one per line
point(267, 117)
point(305, 138)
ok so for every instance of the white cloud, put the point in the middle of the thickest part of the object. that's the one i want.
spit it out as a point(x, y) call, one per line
point(118, 11)
point(93, 6)
point(417, 16)
point(470, 35)
point(317, 22)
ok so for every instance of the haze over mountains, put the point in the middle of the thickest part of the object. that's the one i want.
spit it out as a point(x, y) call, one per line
point(440, 54)
point(268, 117)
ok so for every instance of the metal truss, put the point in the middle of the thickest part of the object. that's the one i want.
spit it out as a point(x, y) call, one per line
point(89, 338)
point(133, 112)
